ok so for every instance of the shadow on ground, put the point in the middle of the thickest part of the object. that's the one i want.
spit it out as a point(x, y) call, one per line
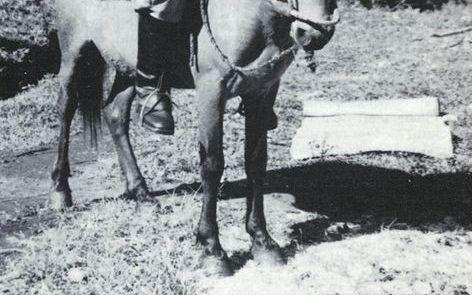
point(355, 199)
point(347, 192)
point(360, 200)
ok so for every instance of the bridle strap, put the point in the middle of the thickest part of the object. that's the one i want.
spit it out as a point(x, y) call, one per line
point(234, 68)
point(291, 9)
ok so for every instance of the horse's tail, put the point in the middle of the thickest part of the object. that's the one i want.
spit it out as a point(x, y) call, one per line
point(90, 71)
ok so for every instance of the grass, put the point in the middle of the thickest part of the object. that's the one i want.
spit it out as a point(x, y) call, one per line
point(117, 248)
point(108, 250)
point(30, 120)
point(114, 248)
point(26, 53)
point(389, 262)
point(26, 21)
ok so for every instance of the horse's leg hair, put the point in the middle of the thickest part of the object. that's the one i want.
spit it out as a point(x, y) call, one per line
point(257, 107)
point(212, 103)
point(117, 116)
point(60, 196)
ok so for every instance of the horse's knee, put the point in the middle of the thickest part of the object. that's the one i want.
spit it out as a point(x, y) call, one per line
point(115, 121)
point(211, 160)
point(118, 111)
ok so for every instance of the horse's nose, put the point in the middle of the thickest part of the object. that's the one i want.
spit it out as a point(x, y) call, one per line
point(314, 38)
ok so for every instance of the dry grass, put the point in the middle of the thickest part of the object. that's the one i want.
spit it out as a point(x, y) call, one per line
point(30, 119)
point(113, 248)
point(26, 21)
point(116, 248)
point(390, 262)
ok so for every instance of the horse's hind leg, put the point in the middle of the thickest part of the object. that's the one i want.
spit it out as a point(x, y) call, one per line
point(60, 196)
point(258, 112)
point(117, 116)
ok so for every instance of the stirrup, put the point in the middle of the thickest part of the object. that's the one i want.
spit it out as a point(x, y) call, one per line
point(161, 95)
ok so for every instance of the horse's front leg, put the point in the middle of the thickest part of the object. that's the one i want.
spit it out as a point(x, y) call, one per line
point(258, 113)
point(211, 109)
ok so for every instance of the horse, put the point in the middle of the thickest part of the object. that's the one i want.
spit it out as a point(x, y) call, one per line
point(243, 49)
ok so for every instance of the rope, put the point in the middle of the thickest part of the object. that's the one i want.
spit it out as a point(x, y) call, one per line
point(206, 23)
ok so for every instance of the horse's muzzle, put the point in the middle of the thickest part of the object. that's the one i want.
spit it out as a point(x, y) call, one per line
point(312, 37)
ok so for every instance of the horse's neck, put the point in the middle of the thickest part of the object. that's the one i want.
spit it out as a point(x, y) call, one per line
point(246, 28)
point(275, 28)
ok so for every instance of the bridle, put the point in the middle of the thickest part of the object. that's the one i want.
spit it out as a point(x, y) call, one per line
point(288, 9)
point(291, 9)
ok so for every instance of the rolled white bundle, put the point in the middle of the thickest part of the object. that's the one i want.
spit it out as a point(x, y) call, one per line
point(423, 106)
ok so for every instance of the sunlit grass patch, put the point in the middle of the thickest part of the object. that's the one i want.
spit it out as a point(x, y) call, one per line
point(113, 248)
point(117, 247)
point(26, 21)
point(389, 262)
point(30, 120)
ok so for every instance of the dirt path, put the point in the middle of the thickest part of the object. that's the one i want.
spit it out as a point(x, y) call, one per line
point(25, 177)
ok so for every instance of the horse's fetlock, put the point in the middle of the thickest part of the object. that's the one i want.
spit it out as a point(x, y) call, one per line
point(55, 174)
point(256, 172)
point(60, 180)
point(255, 229)
point(206, 234)
point(138, 188)
point(256, 226)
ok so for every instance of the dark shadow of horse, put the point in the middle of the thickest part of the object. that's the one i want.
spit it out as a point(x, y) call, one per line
point(346, 192)
point(370, 197)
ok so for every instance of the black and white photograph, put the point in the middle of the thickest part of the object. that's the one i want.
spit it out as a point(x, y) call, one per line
point(236, 147)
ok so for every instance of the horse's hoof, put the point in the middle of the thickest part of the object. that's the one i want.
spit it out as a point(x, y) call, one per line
point(269, 257)
point(60, 200)
point(214, 266)
point(138, 194)
point(141, 196)
point(268, 253)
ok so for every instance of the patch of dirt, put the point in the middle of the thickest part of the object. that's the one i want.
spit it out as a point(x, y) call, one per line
point(25, 177)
